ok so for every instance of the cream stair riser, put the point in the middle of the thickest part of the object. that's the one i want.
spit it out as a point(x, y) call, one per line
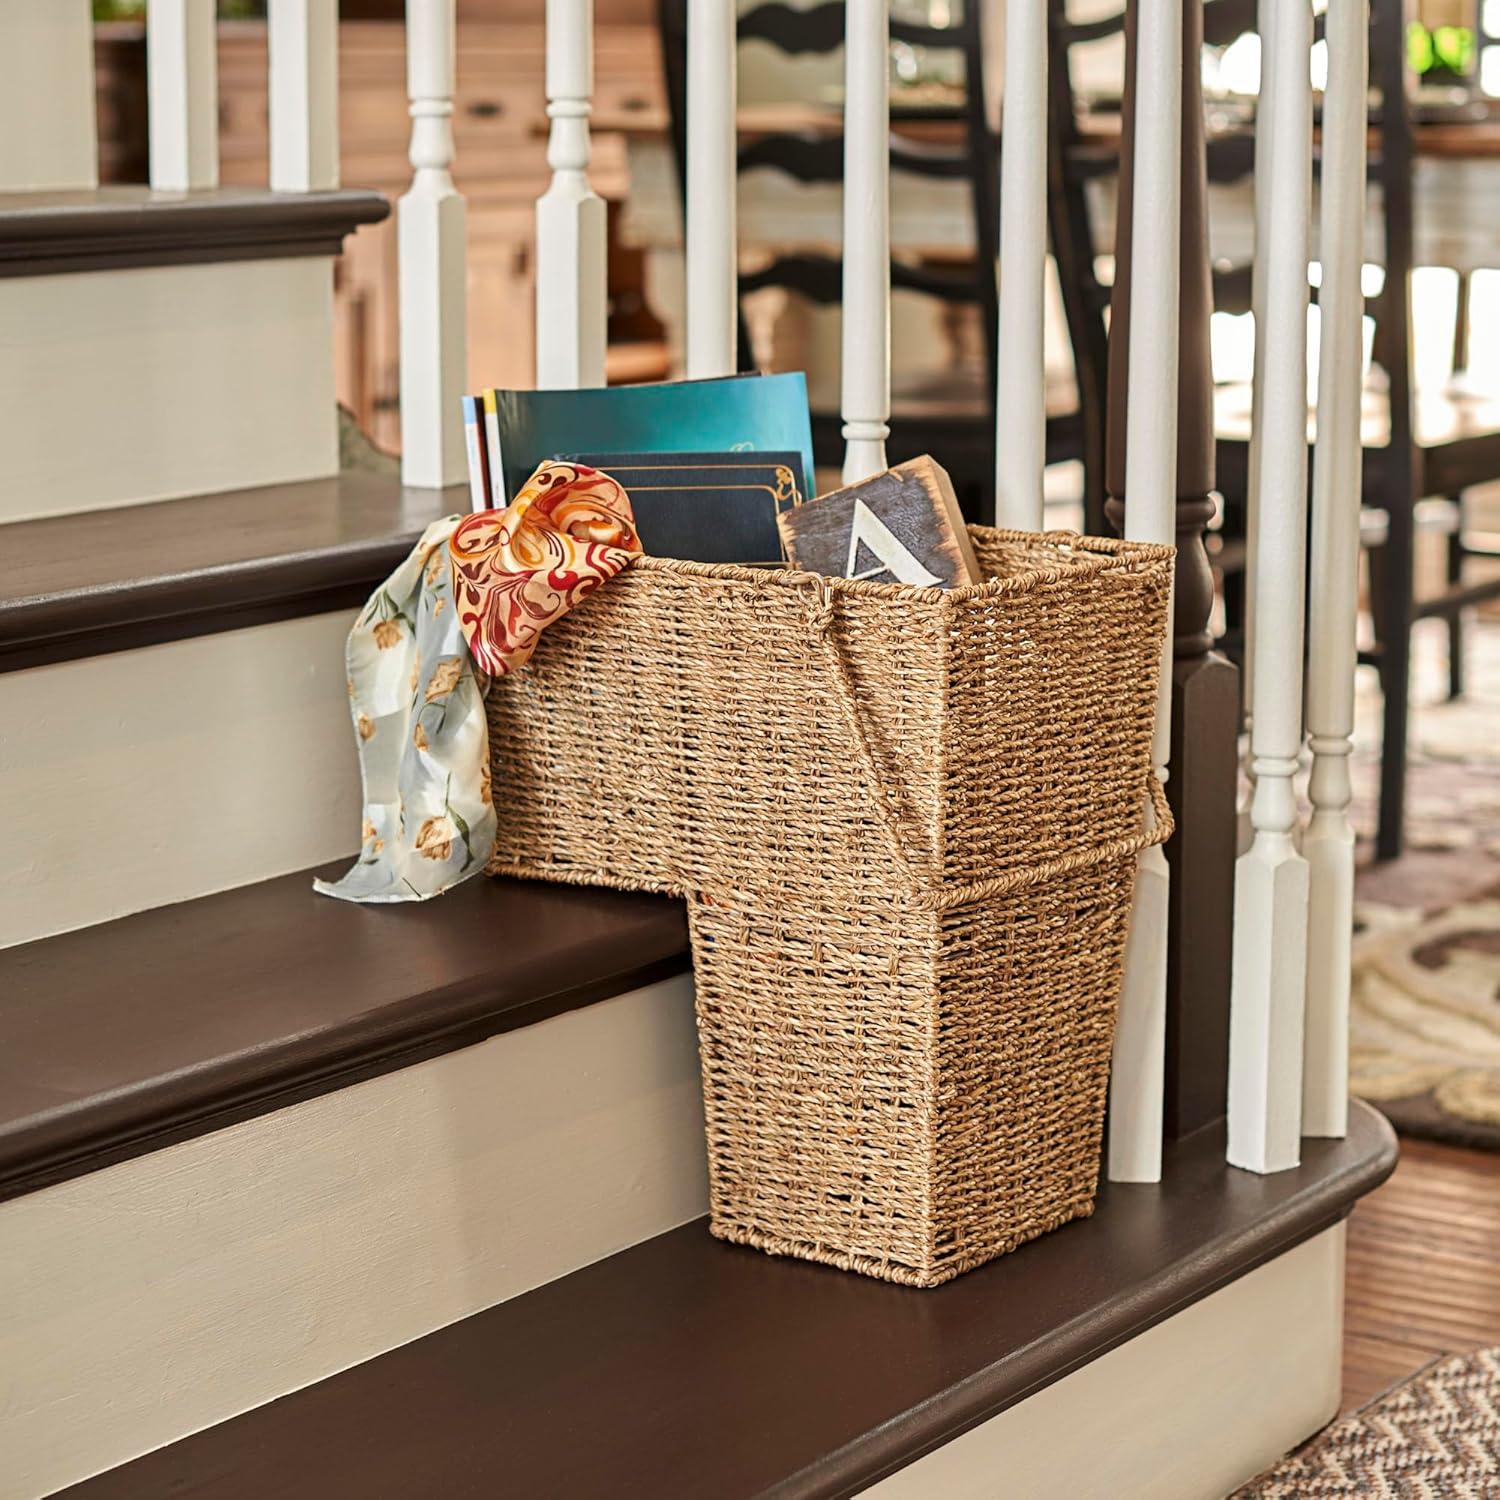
point(145, 777)
point(1188, 1410)
point(167, 1293)
point(136, 384)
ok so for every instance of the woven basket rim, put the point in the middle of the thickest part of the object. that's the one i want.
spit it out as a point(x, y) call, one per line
point(1076, 556)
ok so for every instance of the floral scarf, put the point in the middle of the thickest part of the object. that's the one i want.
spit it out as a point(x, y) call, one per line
point(418, 710)
point(415, 697)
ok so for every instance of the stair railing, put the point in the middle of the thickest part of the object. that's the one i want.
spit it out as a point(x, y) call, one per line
point(1287, 1064)
point(1271, 955)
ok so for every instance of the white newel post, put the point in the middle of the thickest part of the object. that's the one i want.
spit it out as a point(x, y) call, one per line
point(182, 84)
point(571, 250)
point(711, 233)
point(1020, 407)
point(1328, 845)
point(1137, 1074)
point(866, 348)
point(430, 245)
point(1270, 898)
point(302, 40)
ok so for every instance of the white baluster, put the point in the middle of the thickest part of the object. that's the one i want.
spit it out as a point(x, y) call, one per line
point(1137, 1076)
point(182, 80)
point(866, 350)
point(302, 38)
point(1020, 408)
point(571, 249)
point(1270, 899)
point(712, 236)
point(1328, 845)
point(1262, 205)
point(430, 242)
point(47, 111)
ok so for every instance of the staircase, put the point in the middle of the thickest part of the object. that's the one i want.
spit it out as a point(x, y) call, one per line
point(300, 1198)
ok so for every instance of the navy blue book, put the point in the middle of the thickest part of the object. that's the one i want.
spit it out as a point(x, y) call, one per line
point(707, 507)
point(736, 414)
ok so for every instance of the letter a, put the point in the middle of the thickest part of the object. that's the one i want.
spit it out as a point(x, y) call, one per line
point(894, 558)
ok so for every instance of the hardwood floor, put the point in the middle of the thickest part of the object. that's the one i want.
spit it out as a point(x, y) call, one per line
point(1424, 1267)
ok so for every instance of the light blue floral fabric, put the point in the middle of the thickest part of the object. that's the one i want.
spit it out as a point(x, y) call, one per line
point(418, 710)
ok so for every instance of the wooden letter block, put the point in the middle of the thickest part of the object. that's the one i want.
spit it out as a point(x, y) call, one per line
point(903, 526)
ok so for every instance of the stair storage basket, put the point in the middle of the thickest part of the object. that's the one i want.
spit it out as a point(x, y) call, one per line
point(906, 822)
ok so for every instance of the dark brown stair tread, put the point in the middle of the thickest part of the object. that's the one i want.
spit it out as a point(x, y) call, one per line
point(138, 575)
point(107, 228)
point(687, 1368)
point(118, 1039)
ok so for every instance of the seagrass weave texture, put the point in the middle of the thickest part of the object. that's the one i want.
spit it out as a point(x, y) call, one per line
point(906, 822)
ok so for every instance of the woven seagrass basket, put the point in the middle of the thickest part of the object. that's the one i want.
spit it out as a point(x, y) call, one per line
point(906, 822)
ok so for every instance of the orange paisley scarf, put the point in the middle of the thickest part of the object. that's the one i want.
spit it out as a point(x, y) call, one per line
point(515, 571)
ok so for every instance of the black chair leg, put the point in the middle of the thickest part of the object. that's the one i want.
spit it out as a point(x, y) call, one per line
point(1394, 613)
point(1233, 643)
point(1456, 619)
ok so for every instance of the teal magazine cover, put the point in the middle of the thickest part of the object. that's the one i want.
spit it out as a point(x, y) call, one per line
point(740, 414)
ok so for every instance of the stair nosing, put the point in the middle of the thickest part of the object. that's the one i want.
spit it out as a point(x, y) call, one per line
point(52, 233)
point(167, 587)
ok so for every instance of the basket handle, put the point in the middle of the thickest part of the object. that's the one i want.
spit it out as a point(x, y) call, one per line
point(928, 894)
point(890, 814)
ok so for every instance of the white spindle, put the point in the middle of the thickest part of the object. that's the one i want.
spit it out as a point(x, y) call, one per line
point(1270, 899)
point(182, 80)
point(430, 242)
point(51, 136)
point(1262, 206)
point(1328, 845)
point(866, 350)
point(1021, 414)
point(1136, 1080)
point(571, 250)
point(712, 237)
point(302, 38)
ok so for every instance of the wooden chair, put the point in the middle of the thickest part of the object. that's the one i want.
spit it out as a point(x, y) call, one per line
point(953, 416)
point(1419, 446)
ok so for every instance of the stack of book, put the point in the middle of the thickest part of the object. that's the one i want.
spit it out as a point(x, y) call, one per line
point(708, 464)
point(718, 471)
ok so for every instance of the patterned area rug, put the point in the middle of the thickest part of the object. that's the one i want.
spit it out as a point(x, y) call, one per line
point(1425, 1021)
point(1436, 1434)
point(1425, 1007)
